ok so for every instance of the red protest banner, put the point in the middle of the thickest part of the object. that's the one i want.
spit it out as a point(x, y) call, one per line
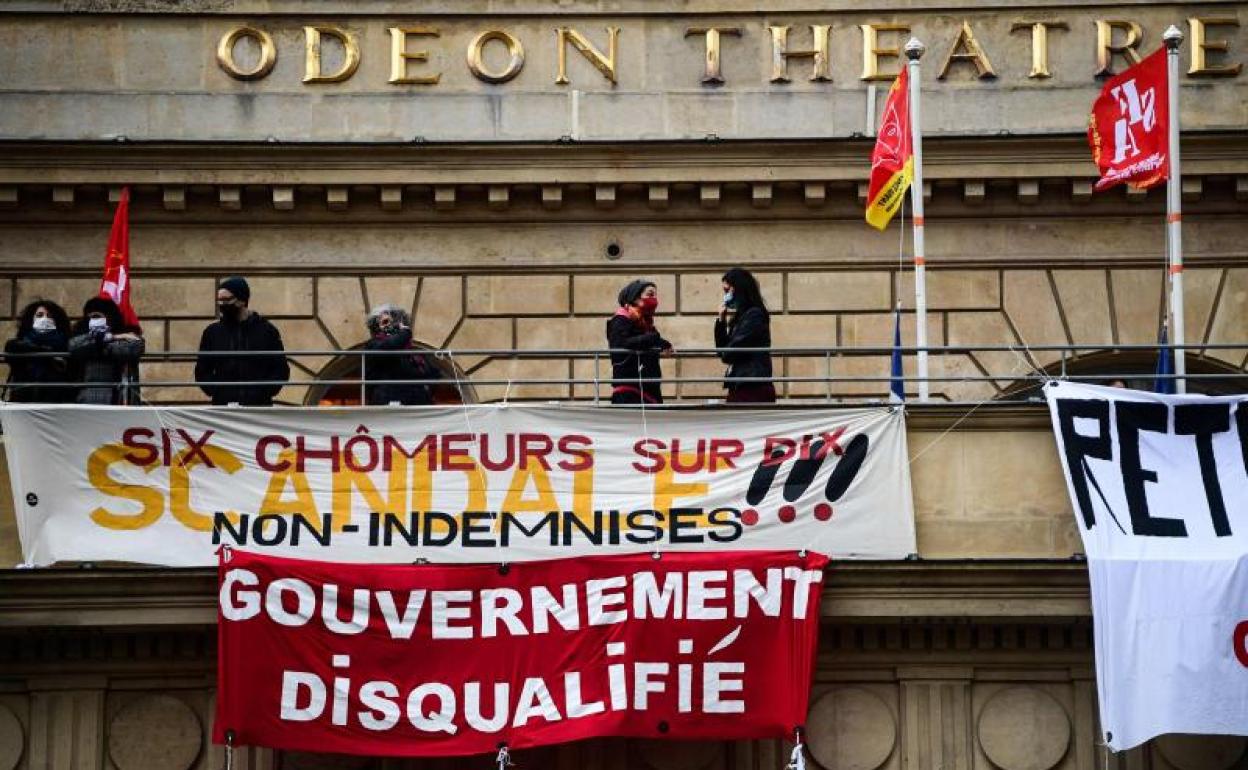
point(429, 660)
point(1128, 129)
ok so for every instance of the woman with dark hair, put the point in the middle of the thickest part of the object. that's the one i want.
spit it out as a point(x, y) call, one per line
point(42, 327)
point(636, 374)
point(745, 323)
point(104, 354)
point(390, 328)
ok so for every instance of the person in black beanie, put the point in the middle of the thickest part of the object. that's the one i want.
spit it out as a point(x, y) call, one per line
point(240, 329)
point(637, 375)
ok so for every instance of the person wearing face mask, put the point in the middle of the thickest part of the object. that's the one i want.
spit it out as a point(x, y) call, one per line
point(390, 328)
point(104, 355)
point(240, 329)
point(744, 322)
point(636, 374)
point(42, 327)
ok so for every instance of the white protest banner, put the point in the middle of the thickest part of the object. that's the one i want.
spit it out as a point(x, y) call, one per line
point(166, 485)
point(1159, 485)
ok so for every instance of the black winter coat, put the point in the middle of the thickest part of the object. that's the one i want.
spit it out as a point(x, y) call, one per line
point(255, 333)
point(27, 375)
point(751, 329)
point(628, 368)
point(395, 367)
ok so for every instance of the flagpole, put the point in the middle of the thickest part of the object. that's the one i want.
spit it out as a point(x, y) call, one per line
point(914, 52)
point(1173, 38)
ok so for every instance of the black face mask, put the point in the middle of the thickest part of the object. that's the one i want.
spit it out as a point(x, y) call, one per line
point(229, 311)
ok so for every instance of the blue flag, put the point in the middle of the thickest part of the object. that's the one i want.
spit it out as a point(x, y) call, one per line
point(1165, 365)
point(896, 385)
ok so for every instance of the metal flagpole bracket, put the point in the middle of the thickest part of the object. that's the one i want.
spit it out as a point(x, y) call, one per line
point(1173, 38)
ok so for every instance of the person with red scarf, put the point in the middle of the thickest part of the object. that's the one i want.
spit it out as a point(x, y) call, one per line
point(636, 346)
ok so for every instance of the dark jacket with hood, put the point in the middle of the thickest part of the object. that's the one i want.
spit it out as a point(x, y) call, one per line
point(255, 333)
point(396, 367)
point(751, 328)
point(28, 375)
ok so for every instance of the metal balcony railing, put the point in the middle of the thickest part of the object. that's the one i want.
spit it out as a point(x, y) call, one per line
point(1218, 367)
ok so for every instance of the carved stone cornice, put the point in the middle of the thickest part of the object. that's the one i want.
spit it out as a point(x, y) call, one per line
point(855, 592)
point(648, 180)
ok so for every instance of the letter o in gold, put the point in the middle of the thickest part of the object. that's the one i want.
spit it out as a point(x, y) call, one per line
point(477, 66)
point(225, 53)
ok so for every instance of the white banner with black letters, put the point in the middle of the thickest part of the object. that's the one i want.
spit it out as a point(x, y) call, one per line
point(167, 485)
point(1159, 485)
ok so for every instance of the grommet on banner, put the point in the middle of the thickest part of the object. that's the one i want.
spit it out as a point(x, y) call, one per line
point(797, 760)
point(503, 760)
point(656, 556)
point(801, 554)
point(664, 727)
point(504, 568)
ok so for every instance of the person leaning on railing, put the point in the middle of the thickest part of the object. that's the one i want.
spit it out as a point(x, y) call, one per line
point(104, 355)
point(636, 376)
point(744, 322)
point(390, 328)
point(42, 328)
point(240, 329)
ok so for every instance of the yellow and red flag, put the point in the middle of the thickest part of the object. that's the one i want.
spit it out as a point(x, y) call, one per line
point(115, 284)
point(892, 161)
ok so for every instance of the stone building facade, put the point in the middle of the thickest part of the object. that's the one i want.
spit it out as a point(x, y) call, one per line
point(506, 207)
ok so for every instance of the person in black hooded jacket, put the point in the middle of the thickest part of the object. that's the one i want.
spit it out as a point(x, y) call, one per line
point(42, 327)
point(637, 375)
point(241, 329)
point(744, 322)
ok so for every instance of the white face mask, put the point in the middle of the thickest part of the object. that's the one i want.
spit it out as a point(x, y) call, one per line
point(44, 324)
point(100, 324)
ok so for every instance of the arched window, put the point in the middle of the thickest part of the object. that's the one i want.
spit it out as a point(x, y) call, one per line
point(1135, 369)
point(345, 372)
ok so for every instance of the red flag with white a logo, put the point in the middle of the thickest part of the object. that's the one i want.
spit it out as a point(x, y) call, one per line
point(115, 284)
point(1128, 129)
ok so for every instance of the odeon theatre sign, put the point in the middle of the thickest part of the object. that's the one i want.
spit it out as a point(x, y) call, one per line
point(421, 54)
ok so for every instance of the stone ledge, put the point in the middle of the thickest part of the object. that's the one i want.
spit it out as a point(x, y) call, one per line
point(855, 592)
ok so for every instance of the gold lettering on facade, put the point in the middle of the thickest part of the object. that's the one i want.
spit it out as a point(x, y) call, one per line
point(400, 56)
point(1039, 44)
point(604, 64)
point(312, 60)
point(476, 62)
point(1106, 47)
point(1201, 44)
point(871, 51)
point(780, 53)
point(711, 75)
point(966, 49)
point(225, 53)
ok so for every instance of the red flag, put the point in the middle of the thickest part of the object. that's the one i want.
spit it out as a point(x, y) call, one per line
point(892, 160)
point(115, 284)
point(1128, 129)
